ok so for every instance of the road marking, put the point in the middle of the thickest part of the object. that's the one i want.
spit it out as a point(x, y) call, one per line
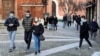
point(96, 54)
point(57, 49)
point(44, 35)
point(19, 41)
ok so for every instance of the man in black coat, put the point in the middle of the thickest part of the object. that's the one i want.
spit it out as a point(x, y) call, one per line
point(27, 24)
point(78, 21)
point(55, 22)
point(84, 32)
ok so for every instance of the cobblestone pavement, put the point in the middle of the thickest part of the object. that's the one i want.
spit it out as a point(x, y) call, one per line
point(54, 39)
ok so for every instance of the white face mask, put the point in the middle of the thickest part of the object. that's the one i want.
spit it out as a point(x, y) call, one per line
point(11, 15)
point(27, 14)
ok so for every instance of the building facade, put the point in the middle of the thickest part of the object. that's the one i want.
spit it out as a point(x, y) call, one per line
point(37, 8)
point(91, 8)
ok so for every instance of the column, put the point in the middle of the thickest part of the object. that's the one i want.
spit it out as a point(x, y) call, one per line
point(98, 12)
point(16, 8)
point(0, 9)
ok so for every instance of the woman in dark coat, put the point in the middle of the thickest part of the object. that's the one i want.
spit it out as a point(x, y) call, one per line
point(38, 30)
point(84, 34)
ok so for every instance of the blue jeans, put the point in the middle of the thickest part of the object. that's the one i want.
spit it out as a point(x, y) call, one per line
point(93, 35)
point(12, 38)
point(64, 24)
point(36, 43)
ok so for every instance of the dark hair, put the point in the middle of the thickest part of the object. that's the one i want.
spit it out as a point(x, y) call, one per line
point(12, 12)
point(27, 11)
point(83, 16)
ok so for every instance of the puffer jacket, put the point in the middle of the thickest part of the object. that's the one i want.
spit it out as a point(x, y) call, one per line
point(27, 23)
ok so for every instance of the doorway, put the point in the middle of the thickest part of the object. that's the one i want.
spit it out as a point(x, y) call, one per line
point(8, 5)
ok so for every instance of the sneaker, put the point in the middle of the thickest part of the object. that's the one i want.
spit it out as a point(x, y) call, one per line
point(35, 53)
point(27, 50)
point(39, 51)
point(10, 50)
point(78, 48)
point(90, 47)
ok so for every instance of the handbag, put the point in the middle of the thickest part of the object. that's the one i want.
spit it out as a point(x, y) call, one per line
point(42, 38)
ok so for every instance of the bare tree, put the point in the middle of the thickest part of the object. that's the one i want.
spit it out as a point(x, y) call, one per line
point(70, 6)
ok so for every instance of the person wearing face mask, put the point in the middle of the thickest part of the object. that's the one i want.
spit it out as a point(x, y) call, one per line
point(27, 25)
point(84, 32)
point(12, 23)
point(38, 30)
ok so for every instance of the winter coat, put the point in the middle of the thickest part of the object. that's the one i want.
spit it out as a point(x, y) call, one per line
point(51, 20)
point(27, 23)
point(64, 18)
point(78, 20)
point(68, 18)
point(84, 30)
point(46, 20)
point(75, 17)
point(38, 30)
point(13, 21)
point(94, 26)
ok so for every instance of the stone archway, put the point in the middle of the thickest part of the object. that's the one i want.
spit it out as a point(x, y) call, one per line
point(53, 8)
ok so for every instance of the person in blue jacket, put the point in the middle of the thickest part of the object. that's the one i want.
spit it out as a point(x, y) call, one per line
point(12, 23)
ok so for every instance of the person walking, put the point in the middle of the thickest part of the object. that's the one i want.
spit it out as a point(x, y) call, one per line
point(78, 21)
point(27, 25)
point(94, 28)
point(38, 30)
point(55, 22)
point(12, 23)
point(84, 32)
point(51, 23)
point(74, 19)
point(46, 22)
point(64, 20)
point(68, 20)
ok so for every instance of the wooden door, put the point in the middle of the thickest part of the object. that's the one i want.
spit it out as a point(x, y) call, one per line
point(8, 5)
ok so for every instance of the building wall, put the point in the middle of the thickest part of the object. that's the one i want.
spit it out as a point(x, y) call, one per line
point(0, 9)
point(37, 11)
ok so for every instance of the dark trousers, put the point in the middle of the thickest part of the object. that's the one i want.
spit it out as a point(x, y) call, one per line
point(78, 26)
point(69, 23)
point(55, 26)
point(27, 38)
point(87, 39)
